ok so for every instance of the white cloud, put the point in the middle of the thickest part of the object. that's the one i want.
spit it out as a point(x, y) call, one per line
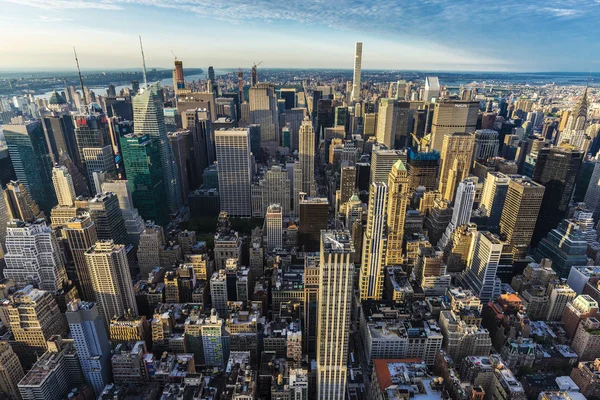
point(67, 4)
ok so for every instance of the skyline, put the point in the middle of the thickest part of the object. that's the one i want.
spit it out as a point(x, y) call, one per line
point(440, 35)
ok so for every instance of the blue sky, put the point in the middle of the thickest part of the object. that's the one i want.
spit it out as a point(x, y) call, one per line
point(480, 35)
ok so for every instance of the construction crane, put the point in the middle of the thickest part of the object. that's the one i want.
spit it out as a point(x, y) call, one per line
point(174, 55)
point(254, 80)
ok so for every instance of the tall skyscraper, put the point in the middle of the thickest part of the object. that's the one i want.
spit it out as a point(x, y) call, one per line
point(450, 117)
point(306, 154)
point(480, 275)
point(34, 256)
point(382, 162)
point(63, 186)
point(31, 161)
point(11, 371)
point(314, 217)
point(357, 69)
point(149, 119)
point(335, 301)
point(486, 144)
point(375, 244)
point(520, 212)
point(111, 280)
point(134, 224)
point(397, 204)
point(347, 183)
point(461, 213)
point(432, 88)
point(387, 121)
point(91, 342)
point(263, 111)
point(151, 240)
point(81, 235)
point(276, 189)
point(422, 167)
point(19, 203)
point(106, 215)
point(274, 225)
point(493, 197)
point(143, 166)
point(457, 151)
point(556, 168)
point(234, 168)
point(178, 79)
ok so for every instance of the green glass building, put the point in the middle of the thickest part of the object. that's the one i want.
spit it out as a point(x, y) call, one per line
point(31, 160)
point(141, 157)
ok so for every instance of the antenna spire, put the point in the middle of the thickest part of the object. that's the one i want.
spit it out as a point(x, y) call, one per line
point(144, 64)
point(85, 104)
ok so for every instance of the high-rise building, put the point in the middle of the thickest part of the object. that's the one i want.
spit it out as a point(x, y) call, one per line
point(430, 271)
point(81, 235)
point(347, 183)
point(149, 119)
point(274, 226)
point(375, 244)
point(480, 275)
point(100, 165)
point(234, 169)
point(111, 280)
point(34, 317)
point(178, 79)
point(19, 203)
point(106, 215)
point(432, 88)
point(34, 256)
point(11, 371)
point(493, 197)
point(457, 150)
point(141, 157)
point(486, 144)
point(450, 117)
point(556, 168)
point(335, 301)
point(60, 132)
point(422, 167)
point(313, 216)
point(382, 161)
point(151, 239)
point(566, 246)
point(306, 155)
point(397, 204)
point(263, 111)
point(134, 223)
point(63, 186)
point(521, 209)
point(276, 189)
point(387, 121)
point(31, 161)
point(463, 206)
point(91, 342)
point(357, 69)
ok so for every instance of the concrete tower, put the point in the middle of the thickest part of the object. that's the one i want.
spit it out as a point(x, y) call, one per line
point(357, 68)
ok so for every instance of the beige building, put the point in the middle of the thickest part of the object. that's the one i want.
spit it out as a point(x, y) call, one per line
point(450, 117)
point(375, 244)
point(11, 371)
point(397, 204)
point(456, 154)
point(81, 235)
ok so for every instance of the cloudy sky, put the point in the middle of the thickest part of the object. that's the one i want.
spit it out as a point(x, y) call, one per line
point(480, 35)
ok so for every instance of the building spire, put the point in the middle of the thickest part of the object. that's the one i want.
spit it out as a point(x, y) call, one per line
point(143, 64)
point(85, 103)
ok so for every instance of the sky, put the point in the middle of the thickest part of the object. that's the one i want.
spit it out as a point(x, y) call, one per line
point(463, 35)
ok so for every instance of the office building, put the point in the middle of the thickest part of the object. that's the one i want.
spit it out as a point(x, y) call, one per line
point(274, 227)
point(263, 111)
point(34, 317)
point(463, 206)
point(100, 165)
point(493, 197)
point(387, 122)
point(382, 162)
point(565, 246)
point(422, 168)
point(111, 280)
point(151, 241)
point(520, 212)
point(432, 89)
point(54, 374)
point(375, 244)
point(480, 275)
point(63, 186)
point(314, 216)
point(347, 183)
point(486, 144)
point(456, 155)
point(357, 68)
point(11, 371)
point(19, 203)
point(149, 119)
point(81, 234)
point(234, 169)
point(430, 271)
point(276, 189)
point(31, 161)
point(33, 255)
point(334, 305)
point(450, 117)
point(60, 133)
point(306, 155)
point(134, 223)
point(91, 342)
point(106, 215)
point(397, 205)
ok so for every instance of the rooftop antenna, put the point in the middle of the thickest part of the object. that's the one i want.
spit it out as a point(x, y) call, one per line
point(144, 64)
point(85, 107)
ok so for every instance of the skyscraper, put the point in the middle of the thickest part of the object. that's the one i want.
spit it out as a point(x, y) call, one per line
point(81, 235)
point(106, 215)
point(397, 204)
point(313, 217)
point(422, 167)
point(347, 183)
point(274, 226)
point(263, 111)
point(91, 342)
point(521, 209)
point(486, 144)
point(276, 189)
point(134, 224)
point(31, 161)
point(149, 119)
point(356, 75)
point(151, 240)
point(457, 151)
point(375, 244)
point(450, 117)
point(382, 162)
point(34, 256)
point(178, 79)
point(11, 371)
point(432, 88)
point(306, 154)
point(387, 121)
point(493, 197)
point(480, 275)
point(463, 206)
point(19, 204)
point(234, 168)
point(63, 186)
point(111, 280)
point(335, 300)
point(143, 166)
